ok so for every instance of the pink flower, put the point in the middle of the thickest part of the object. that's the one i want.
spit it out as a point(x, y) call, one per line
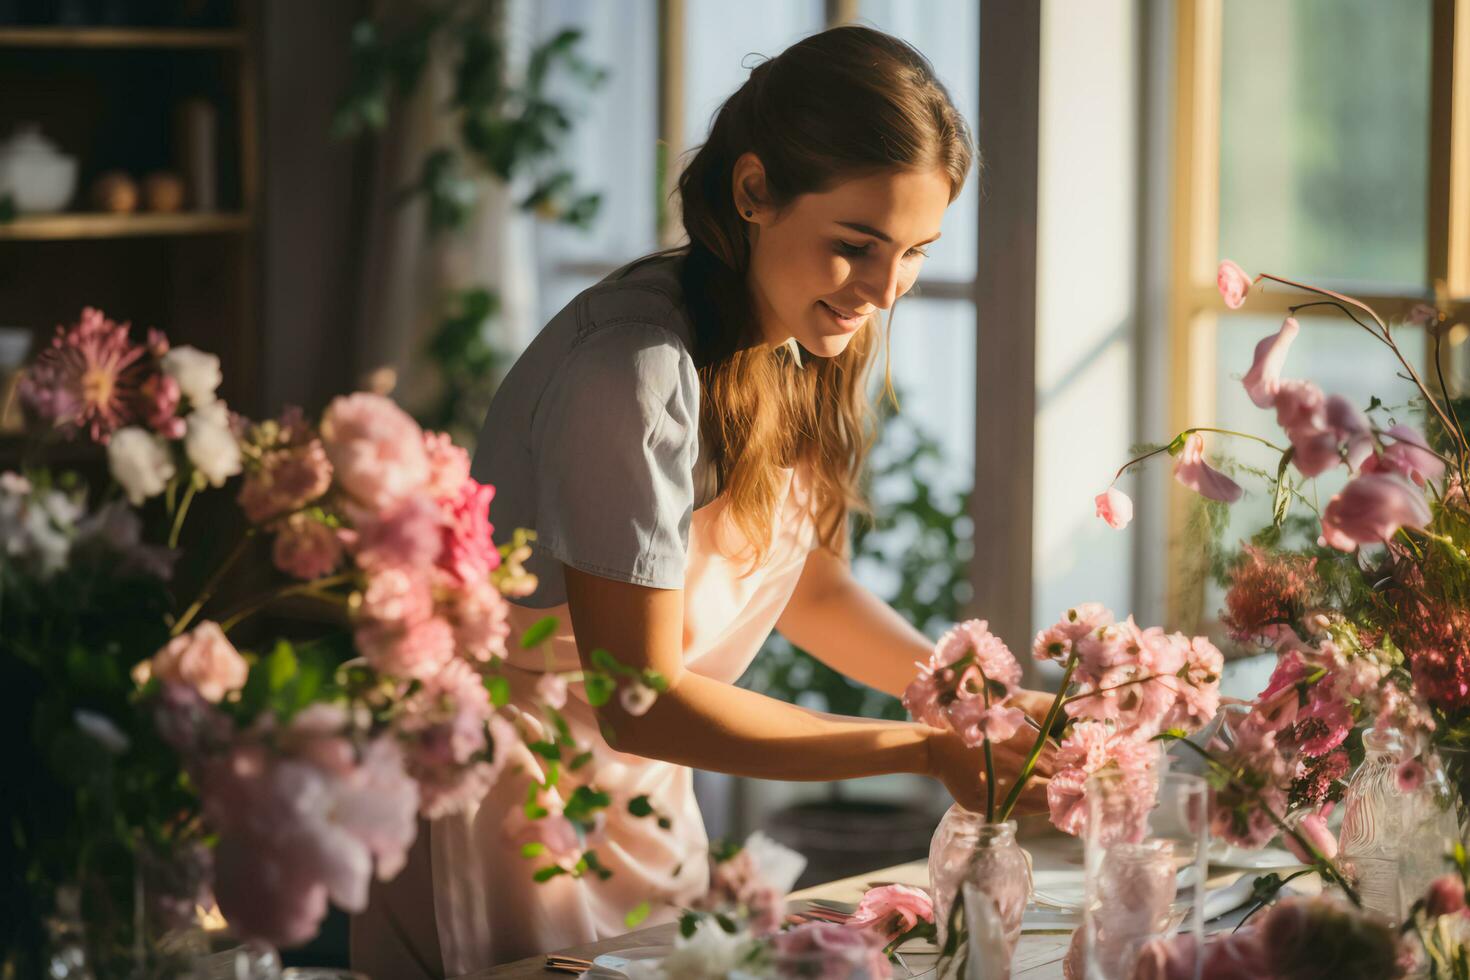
point(449, 465)
point(973, 638)
point(1446, 896)
point(418, 650)
point(1199, 687)
point(409, 535)
point(158, 399)
point(1239, 955)
point(468, 554)
point(1410, 775)
point(551, 688)
point(396, 597)
point(1407, 454)
point(1114, 507)
point(1313, 827)
point(1234, 284)
point(375, 448)
point(87, 379)
point(1371, 509)
point(286, 480)
point(892, 910)
point(974, 722)
point(203, 659)
point(1192, 471)
point(479, 614)
point(306, 548)
point(1320, 426)
point(1090, 748)
point(1262, 380)
point(1056, 642)
point(1323, 724)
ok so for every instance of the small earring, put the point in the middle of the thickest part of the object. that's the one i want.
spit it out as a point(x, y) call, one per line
point(749, 214)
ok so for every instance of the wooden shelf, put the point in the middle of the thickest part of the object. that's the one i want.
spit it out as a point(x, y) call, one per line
point(118, 37)
point(62, 227)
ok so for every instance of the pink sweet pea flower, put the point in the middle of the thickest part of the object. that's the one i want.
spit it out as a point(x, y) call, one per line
point(1264, 377)
point(893, 909)
point(1407, 453)
point(1234, 284)
point(1371, 509)
point(1192, 471)
point(1314, 828)
point(1114, 507)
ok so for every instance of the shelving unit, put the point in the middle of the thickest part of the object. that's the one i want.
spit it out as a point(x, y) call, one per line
point(107, 95)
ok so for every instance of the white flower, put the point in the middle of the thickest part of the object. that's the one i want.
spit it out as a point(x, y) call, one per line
point(140, 462)
point(637, 698)
point(778, 865)
point(102, 729)
point(211, 445)
point(710, 954)
point(197, 373)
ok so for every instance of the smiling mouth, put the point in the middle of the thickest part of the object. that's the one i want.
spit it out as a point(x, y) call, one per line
point(844, 314)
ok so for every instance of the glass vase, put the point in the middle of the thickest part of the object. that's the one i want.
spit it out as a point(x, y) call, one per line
point(1377, 823)
point(982, 862)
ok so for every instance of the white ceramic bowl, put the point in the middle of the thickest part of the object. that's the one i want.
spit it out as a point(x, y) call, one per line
point(38, 186)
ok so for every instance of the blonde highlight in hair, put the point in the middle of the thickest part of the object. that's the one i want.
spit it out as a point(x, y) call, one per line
point(841, 104)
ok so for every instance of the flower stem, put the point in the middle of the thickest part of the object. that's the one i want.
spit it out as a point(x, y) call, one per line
point(212, 583)
point(173, 534)
point(1198, 428)
point(313, 589)
point(1030, 765)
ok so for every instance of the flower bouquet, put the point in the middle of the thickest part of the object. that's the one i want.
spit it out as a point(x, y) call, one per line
point(172, 768)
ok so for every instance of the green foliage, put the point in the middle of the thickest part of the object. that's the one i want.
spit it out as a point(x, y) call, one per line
point(7, 208)
point(922, 534)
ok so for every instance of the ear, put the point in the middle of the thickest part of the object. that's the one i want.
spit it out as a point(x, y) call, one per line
point(748, 185)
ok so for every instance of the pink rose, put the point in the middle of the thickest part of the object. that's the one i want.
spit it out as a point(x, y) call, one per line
point(1446, 896)
point(1371, 509)
point(306, 548)
point(1114, 507)
point(1192, 471)
point(408, 535)
point(375, 448)
point(203, 659)
point(286, 480)
point(416, 651)
point(1264, 377)
point(449, 465)
point(468, 554)
point(1234, 284)
point(892, 910)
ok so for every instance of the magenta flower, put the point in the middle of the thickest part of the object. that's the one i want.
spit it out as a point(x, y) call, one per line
point(1114, 507)
point(468, 554)
point(1371, 509)
point(1264, 377)
point(1446, 896)
point(87, 379)
point(1323, 724)
point(1234, 284)
point(1192, 471)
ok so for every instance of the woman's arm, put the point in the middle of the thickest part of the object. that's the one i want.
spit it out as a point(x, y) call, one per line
point(711, 725)
point(836, 619)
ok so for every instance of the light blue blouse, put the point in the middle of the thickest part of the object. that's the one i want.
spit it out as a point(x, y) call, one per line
point(592, 439)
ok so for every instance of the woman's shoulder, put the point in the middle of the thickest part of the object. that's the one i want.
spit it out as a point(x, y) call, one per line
point(646, 292)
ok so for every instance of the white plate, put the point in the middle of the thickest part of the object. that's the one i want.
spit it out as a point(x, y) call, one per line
point(1223, 855)
point(608, 965)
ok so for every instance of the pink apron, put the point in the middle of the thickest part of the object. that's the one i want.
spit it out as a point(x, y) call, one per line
point(480, 906)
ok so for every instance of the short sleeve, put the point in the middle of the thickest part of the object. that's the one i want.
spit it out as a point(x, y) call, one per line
point(614, 442)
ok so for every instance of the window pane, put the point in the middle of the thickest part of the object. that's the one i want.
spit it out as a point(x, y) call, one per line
point(611, 145)
point(1342, 359)
point(721, 38)
point(947, 32)
point(1324, 138)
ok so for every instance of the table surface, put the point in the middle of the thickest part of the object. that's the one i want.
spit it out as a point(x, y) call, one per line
point(1039, 954)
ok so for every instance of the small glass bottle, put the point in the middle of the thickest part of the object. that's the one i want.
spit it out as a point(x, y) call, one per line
point(967, 852)
point(1374, 824)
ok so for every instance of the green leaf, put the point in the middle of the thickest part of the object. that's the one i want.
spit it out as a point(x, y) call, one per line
point(553, 773)
point(657, 681)
point(499, 689)
point(547, 750)
point(533, 850)
point(640, 807)
point(634, 918)
point(584, 802)
point(599, 688)
point(538, 632)
point(688, 924)
point(1170, 735)
point(581, 761)
point(7, 208)
point(548, 872)
point(603, 660)
point(1282, 503)
point(281, 666)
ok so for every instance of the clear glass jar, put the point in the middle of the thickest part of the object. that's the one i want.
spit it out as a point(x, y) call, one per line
point(968, 851)
point(1375, 823)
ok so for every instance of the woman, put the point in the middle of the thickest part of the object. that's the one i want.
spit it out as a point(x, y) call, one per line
point(686, 438)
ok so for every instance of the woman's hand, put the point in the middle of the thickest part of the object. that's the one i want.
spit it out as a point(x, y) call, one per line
point(962, 770)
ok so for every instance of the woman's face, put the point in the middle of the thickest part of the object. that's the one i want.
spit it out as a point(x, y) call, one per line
point(823, 266)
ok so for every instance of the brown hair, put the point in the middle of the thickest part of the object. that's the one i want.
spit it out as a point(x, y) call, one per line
point(844, 103)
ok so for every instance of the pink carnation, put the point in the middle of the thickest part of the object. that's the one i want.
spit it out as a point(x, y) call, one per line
point(468, 554)
point(409, 535)
point(976, 723)
point(1323, 724)
point(286, 480)
point(306, 548)
point(204, 660)
point(449, 465)
point(418, 650)
point(396, 597)
point(1090, 748)
point(892, 910)
point(375, 448)
point(480, 617)
point(973, 637)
